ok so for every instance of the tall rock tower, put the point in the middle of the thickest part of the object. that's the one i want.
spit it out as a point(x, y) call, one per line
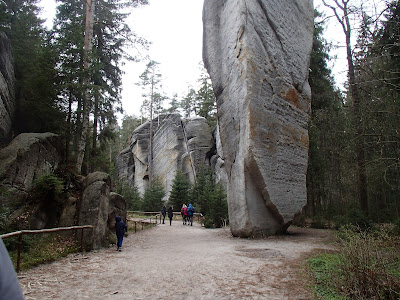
point(257, 53)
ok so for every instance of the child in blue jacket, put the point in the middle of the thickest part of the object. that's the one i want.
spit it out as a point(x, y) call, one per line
point(120, 229)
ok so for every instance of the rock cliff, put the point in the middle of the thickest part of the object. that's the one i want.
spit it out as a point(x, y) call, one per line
point(257, 54)
point(27, 157)
point(178, 143)
point(7, 89)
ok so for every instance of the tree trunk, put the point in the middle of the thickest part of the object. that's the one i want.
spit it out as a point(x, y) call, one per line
point(90, 7)
point(357, 119)
point(151, 136)
point(95, 120)
point(69, 128)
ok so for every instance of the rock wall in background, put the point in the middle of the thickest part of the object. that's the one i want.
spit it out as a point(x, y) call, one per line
point(7, 89)
point(178, 144)
point(257, 53)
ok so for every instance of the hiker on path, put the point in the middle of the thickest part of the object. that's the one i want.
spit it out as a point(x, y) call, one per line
point(163, 212)
point(120, 229)
point(170, 215)
point(9, 285)
point(183, 214)
point(190, 212)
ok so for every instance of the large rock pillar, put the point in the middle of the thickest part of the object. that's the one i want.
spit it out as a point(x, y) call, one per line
point(257, 54)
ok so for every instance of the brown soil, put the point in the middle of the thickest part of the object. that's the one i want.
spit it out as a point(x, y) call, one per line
point(183, 262)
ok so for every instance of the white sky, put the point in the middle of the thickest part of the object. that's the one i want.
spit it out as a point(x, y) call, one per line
point(175, 29)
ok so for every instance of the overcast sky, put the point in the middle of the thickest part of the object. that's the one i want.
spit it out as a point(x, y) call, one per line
point(175, 29)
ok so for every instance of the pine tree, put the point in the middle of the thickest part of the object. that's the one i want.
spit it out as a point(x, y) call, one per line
point(217, 215)
point(91, 80)
point(153, 197)
point(180, 191)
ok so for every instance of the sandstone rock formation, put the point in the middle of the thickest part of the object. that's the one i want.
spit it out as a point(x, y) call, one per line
point(7, 88)
point(99, 207)
point(28, 157)
point(257, 54)
point(178, 143)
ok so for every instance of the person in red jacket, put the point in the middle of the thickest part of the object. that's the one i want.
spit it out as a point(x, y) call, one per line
point(185, 215)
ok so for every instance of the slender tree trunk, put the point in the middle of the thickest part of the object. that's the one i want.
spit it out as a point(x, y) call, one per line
point(90, 8)
point(78, 126)
point(69, 128)
point(151, 135)
point(357, 119)
point(95, 120)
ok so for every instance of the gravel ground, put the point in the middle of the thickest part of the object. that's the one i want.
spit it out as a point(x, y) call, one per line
point(182, 262)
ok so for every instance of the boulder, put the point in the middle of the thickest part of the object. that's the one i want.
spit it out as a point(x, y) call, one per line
point(117, 208)
point(28, 157)
point(68, 215)
point(257, 54)
point(98, 208)
point(94, 210)
point(7, 89)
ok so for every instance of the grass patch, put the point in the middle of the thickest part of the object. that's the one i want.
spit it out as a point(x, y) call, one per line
point(324, 267)
point(41, 249)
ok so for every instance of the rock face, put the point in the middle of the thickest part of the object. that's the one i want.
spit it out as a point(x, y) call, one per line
point(178, 144)
point(257, 54)
point(7, 88)
point(27, 157)
point(99, 207)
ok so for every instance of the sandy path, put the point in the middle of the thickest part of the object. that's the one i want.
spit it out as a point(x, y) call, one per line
point(181, 262)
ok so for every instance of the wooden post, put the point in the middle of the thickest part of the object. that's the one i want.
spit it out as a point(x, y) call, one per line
point(82, 240)
point(19, 252)
point(135, 226)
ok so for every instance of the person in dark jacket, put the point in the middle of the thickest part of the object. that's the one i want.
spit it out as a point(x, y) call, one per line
point(170, 214)
point(9, 286)
point(120, 229)
point(163, 212)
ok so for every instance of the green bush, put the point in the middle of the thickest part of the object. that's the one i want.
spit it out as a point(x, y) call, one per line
point(355, 217)
point(366, 266)
point(49, 188)
point(48, 191)
point(368, 259)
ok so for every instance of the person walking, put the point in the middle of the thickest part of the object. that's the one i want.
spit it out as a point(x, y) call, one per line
point(190, 212)
point(183, 213)
point(120, 229)
point(170, 215)
point(163, 212)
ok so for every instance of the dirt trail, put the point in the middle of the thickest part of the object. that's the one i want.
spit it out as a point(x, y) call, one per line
point(181, 262)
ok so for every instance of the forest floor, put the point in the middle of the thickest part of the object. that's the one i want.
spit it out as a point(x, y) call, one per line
point(183, 262)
